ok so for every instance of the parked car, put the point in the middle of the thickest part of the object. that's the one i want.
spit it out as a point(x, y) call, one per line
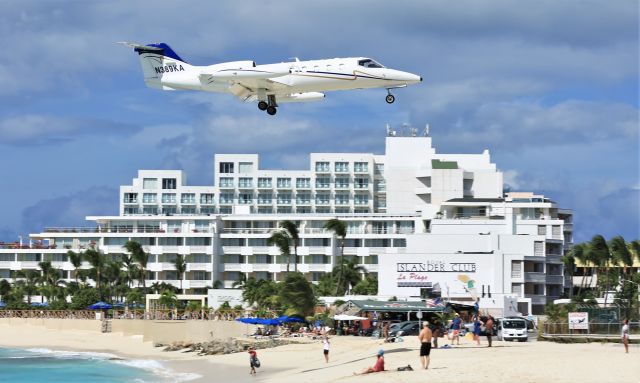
point(404, 328)
point(512, 328)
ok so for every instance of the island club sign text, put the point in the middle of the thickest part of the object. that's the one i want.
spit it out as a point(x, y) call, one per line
point(436, 267)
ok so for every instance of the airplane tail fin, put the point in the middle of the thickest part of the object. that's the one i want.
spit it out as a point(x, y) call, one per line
point(158, 60)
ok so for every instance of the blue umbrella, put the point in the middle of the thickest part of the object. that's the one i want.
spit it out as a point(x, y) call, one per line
point(270, 322)
point(100, 306)
point(288, 319)
point(248, 320)
point(2, 304)
point(38, 304)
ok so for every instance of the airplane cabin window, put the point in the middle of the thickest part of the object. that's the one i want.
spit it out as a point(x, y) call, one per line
point(368, 63)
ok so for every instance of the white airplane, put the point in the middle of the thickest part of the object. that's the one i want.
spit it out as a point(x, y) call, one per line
point(269, 84)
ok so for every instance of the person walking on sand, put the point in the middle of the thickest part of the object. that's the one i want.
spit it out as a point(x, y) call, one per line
point(489, 329)
point(325, 348)
point(476, 330)
point(379, 366)
point(625, 335)
point(425, 344)
point(253, 360)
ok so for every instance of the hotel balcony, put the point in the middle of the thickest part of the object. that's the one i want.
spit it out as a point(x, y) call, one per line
point(195, 284)
point(537, 299)
point(199, 267)
point(535, 277)
point(555, 279)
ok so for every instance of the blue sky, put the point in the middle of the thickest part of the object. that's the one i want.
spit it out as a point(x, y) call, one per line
point(550, 88)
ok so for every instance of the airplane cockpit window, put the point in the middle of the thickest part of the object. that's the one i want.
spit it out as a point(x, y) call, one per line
point(368, 63)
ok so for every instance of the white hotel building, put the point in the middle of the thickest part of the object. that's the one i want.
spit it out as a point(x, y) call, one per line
point(419, 220)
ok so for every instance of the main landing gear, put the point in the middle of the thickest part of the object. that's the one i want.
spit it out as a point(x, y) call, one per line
point(269, 106)
point(390, 98)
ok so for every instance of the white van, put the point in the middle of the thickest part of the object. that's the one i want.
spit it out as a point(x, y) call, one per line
point(512, 328)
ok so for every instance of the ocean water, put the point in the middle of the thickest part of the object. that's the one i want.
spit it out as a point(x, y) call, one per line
point(44, 365)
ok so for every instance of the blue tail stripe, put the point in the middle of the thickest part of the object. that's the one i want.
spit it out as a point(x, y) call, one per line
point(166, 51)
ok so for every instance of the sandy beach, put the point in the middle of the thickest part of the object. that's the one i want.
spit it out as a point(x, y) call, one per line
point(505, 362)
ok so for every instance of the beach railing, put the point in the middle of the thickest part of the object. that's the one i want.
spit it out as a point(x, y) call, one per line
point(603, 330)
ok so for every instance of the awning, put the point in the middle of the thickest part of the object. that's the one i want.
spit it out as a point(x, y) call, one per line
point(380, 306)
point(348, 317)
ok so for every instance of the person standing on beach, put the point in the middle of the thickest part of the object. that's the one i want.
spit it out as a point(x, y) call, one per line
point(325, 348)
point(625, 335)
point(489, 329)
point(456, 323)
point(425, 344)
point(253, 360)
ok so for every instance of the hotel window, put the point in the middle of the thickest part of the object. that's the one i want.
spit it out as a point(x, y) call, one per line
point(207, 199)
point(343, 210)
point(264, 182)
point(323, 183)
point(284, 210)
point(130, 210)
point(303, 183)
point(150, 183)
point(168, 183)
point(341, 167)
point(150, 210)
point(149, 198)
point(379, 186)
point(303, 210)
point(226, 198)
point(226, 182)
point(199, 275)
point(208, 210)
point(284, 183)
point(226, 167)
point(245, 198)
point(245, 167)
point(188, 210)
point(303, 198)
point(342, 182)
point(265, 198)
point(265, 210)
point(361, 167)
point(225, 210)
point(342, 199)
point(323, 210)
point(322, 166)
point(169, 210)
point(361, 199)
point(168, 198)
point(130, 197)
point(189, 198)
point(284, 198)
point(361, 183)
point(245, 182)
point(379, 169)
point(322, 199)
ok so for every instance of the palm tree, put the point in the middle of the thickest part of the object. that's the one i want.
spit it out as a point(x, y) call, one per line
point(181, 267)
point(292, 230)
point(76, 261)
point(280, 239)
point(620, 255)
point(239, 284)
point(351, 274)
point(569, 262)
point(30, 283)
point(134, 297)
point(97, 261)
point(600, 256)
point(140, 256)
point(168, 299)
point(339, 229)
point(132, 268)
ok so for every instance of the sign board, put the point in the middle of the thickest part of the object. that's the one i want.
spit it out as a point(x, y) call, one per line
point(433, 274)
point(216, 297)
point(578, 321)
point(419, 315)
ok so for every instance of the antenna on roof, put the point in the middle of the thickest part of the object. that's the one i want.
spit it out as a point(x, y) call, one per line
point(426, 130)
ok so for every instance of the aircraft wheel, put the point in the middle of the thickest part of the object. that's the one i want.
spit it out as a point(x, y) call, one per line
point(390, 99)
point(271, 110)
point(262, 105)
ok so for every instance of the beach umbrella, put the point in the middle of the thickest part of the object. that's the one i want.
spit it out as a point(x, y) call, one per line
point(2, 305)
point(38, 304)
point(100, 306)
point(248, 320)
point(288, 319)
point(270, 322)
